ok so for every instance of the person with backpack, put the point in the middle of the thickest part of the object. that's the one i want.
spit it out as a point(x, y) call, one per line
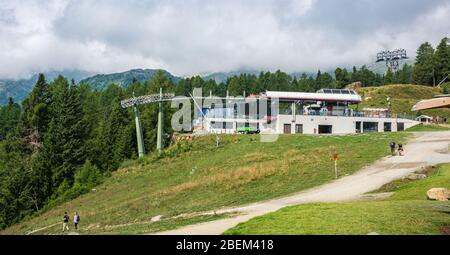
point(76, 220)
point(400, 149)
point(66, 222)
point(392, 145)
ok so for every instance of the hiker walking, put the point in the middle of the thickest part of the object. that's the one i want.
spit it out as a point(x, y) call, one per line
point(392, 145)
point(76, 220)
point(66, 222)
point(400, 149)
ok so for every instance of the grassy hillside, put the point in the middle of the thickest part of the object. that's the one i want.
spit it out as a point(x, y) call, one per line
point(403, 97)
point(196, 176)
point(406, 212)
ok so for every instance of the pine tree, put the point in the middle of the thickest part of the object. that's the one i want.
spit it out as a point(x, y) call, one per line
point(9, 118)
point(36, 114)
point(424, 72)
point(442, 59)
point(114, 135)
point(74, 133)
point(160, 80)
point(324, 80)
point(64, 150)
point(342, 77)
point(389, 77)
point(404, 75)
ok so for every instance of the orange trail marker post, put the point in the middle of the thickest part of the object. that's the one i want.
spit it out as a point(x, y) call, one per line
point(335, 158)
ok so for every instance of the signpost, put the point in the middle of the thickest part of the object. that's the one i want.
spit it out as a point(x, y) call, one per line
point(335, 158)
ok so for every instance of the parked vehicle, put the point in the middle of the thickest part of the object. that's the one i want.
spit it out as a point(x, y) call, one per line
point(248, 130)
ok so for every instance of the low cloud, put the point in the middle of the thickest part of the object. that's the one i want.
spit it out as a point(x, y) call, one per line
point(195, 36)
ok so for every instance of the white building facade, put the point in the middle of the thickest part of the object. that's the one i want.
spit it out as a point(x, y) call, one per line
point(328, 111)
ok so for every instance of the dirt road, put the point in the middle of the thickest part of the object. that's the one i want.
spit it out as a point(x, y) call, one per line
point(427, 148)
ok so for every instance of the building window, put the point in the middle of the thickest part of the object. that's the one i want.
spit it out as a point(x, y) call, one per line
point(298, 128)
point(325, 129)
point(400, 126)
point(358, 127)
point(287, 128)
point(369, 127)
point(387, 127)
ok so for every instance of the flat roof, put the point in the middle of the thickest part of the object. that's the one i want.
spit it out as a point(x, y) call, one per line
point(321, 95)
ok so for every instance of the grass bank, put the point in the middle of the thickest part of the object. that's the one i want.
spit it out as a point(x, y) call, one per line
point(407, 211)
point(429, 127)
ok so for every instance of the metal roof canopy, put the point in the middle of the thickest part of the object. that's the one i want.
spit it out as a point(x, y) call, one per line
point(440, 102)
point(313, 96)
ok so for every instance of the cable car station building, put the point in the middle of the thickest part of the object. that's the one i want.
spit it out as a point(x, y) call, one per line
point(328, 111)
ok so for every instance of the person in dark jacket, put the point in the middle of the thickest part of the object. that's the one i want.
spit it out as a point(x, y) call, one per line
point(400, 149)
point(392, 145)
point(66, 222)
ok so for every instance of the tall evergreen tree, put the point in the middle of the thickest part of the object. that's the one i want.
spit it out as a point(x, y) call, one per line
point(324, 80)
point(404, 75)
point(9, 118)
point(342, 77)
point(424, 72)
point(442, 59)
point(64, 149)
point(115, 132)
point(36, 115)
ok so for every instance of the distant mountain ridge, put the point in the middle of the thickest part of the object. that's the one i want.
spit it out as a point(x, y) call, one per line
point(126, 78)
point(19, 89)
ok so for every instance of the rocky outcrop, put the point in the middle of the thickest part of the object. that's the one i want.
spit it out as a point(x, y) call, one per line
point(415, 176)
point(440, 194)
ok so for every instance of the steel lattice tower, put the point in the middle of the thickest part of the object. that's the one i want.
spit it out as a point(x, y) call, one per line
point(392, 58)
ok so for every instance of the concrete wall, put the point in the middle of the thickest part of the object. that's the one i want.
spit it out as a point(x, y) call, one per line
point(341, 125)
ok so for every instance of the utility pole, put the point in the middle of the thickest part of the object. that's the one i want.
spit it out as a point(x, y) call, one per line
point(139, 134)
point(160, 123)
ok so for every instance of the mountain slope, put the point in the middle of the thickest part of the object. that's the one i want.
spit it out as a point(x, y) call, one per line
point(124, 79)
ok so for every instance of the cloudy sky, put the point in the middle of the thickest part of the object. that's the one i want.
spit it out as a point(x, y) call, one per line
point(189, 37)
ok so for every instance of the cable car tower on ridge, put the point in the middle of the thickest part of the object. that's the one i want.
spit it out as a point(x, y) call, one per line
point(392, 58)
